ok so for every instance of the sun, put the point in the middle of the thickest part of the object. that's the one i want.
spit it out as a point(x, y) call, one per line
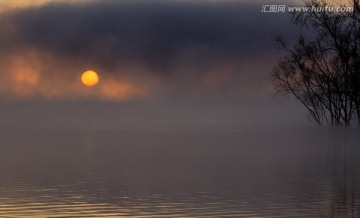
point(89, 78)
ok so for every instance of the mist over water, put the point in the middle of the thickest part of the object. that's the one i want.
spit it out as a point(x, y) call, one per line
point(268, 172)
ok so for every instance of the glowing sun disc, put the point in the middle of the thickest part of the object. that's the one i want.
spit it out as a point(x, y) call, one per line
point(89, 78)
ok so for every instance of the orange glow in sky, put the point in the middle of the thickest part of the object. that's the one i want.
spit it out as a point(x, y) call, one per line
point(6, 5)
point(33, 74)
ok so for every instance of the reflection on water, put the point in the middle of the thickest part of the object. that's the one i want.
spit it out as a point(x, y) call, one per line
point(113, 173)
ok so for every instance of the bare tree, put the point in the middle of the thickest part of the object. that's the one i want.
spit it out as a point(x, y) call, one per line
point(323, 72)
point(355, 56)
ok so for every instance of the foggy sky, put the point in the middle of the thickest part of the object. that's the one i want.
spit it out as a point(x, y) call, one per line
point(163, 62)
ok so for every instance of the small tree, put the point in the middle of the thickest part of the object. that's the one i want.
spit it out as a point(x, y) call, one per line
point(323, 73)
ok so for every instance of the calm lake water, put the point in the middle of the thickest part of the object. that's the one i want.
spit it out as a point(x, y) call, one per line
point(303, 172)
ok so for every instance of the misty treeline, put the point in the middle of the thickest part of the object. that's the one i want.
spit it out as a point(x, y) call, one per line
point(323, 72)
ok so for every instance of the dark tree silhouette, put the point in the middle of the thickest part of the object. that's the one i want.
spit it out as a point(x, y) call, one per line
point(323, 72)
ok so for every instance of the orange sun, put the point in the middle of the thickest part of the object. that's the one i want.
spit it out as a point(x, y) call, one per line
point(89, 78)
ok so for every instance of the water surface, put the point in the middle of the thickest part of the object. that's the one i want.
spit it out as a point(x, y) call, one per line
point(296, 172)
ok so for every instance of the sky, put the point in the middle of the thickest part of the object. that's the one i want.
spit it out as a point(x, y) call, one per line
point(160, 63)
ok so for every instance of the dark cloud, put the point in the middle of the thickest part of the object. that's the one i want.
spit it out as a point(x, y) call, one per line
point(154, 33)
